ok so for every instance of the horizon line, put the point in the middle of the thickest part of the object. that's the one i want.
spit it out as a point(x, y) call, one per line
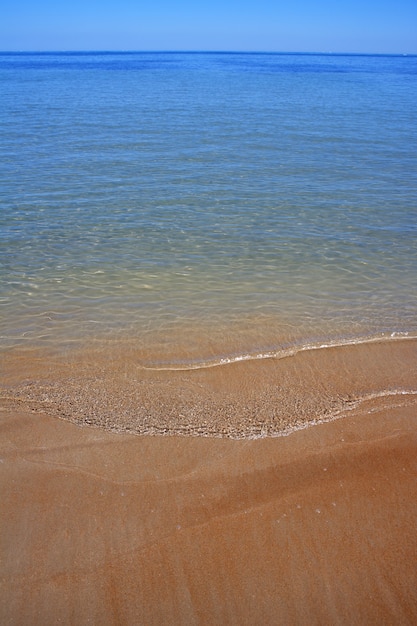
point(197, 51)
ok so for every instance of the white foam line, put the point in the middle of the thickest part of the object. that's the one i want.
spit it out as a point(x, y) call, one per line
point(277, 354)
point(289, 430)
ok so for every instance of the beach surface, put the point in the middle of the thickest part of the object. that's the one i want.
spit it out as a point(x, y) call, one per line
point(208, 361)
point(318, 527)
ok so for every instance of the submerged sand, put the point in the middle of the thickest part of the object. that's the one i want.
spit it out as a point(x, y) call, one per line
point(110, 387)
point(318, 527)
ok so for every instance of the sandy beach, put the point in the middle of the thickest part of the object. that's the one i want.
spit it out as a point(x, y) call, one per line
point(208, 359)
point(318, 527)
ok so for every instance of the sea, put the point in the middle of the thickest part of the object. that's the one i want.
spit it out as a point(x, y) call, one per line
point(207, 208)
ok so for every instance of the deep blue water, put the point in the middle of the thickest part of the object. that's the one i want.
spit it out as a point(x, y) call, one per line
point(157, 192)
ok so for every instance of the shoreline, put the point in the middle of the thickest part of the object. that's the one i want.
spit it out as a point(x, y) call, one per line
point(278, 353)
point(192, 524)
point(108, 387)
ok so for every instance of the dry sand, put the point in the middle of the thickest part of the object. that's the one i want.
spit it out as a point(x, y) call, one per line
point(315, 528)
point(318, 527)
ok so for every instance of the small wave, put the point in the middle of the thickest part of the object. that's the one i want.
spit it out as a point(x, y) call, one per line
point(279, 353)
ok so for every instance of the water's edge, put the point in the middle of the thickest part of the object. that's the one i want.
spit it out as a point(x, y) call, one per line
point(243, 398)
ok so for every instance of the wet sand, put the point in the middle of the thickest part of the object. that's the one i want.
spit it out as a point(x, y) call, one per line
point(109, 386)
point(315, 528)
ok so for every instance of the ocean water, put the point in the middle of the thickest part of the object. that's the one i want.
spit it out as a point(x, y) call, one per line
point(207, 207)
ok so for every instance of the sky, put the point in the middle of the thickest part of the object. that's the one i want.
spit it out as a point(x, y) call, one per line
point(358, 26)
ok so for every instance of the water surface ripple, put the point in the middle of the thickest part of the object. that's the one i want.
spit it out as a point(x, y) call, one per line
point(260, 201)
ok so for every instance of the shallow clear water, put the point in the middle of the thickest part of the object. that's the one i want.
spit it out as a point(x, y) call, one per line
point(237, 202)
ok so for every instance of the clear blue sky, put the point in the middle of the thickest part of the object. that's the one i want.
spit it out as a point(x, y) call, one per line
point(385, 26)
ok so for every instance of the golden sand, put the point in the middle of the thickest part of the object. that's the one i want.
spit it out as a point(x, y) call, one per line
point(111, 389)
point(318, 527)
point(315, 528)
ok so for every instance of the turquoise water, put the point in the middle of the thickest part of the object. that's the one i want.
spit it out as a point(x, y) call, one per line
point(263, 200)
